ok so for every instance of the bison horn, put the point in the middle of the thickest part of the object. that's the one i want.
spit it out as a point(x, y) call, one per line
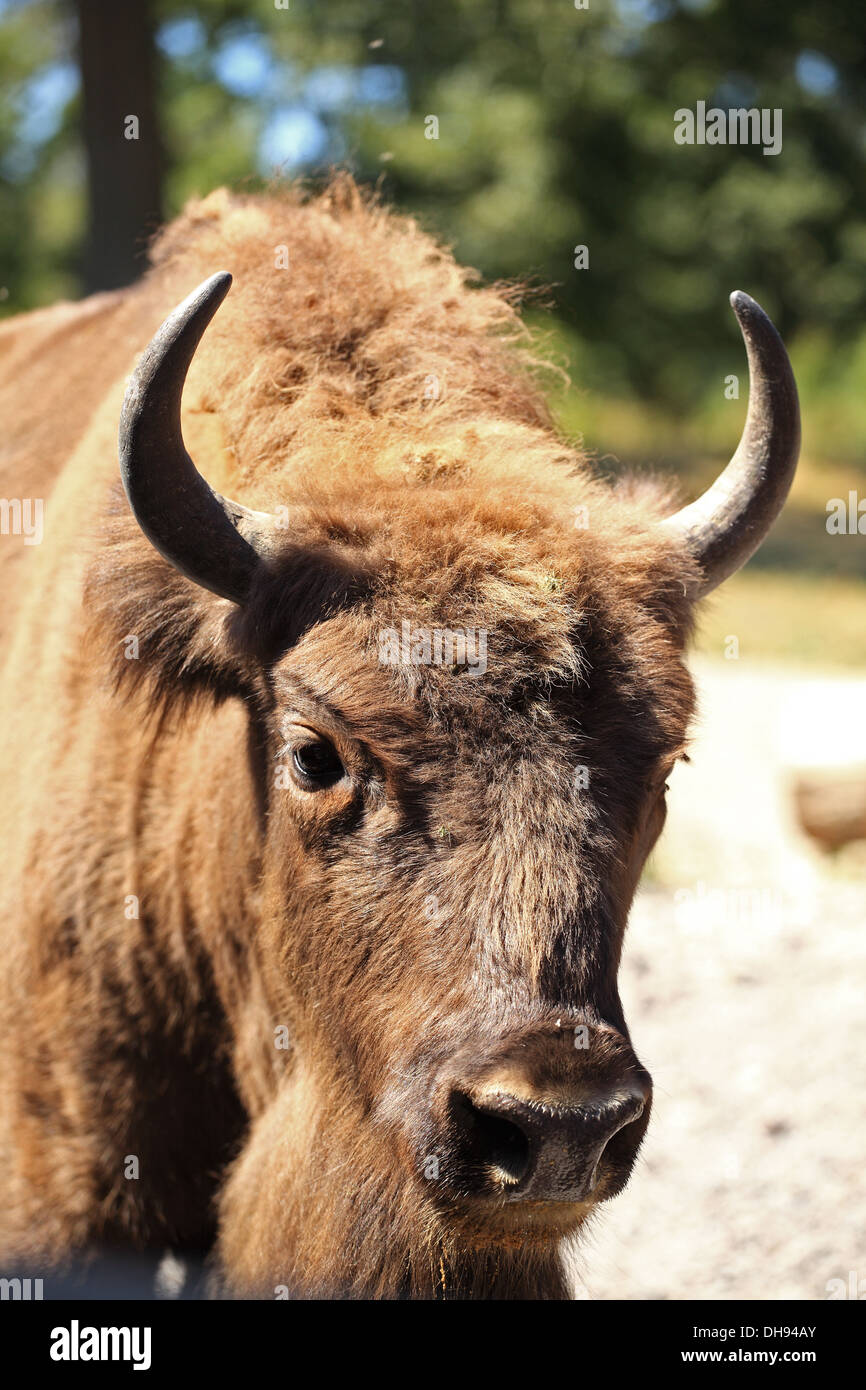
point(213, 541)
point(725, 526)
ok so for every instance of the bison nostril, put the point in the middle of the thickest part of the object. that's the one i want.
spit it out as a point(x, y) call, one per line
point(548, 1147)
point(490, 1139)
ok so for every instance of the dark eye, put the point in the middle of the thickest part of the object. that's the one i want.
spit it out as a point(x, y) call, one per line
point(317, 764)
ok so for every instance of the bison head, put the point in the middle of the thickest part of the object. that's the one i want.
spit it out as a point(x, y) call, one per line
point(465, 713)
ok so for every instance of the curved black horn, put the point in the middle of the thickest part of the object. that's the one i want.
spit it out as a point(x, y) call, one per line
point(213, 541)
point(725, 526)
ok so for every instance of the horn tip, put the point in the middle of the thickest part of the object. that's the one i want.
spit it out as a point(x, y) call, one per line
point(742, 302)
point(749, 313)
point(209, 294)
point(217, 285)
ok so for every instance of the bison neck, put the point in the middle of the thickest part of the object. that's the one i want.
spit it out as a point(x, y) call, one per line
point(129, 895)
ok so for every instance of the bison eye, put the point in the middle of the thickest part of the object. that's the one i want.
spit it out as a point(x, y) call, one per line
point(317, 764)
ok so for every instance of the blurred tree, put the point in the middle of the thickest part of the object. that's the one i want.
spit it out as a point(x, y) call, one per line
point(120, 127)
point(554, 129)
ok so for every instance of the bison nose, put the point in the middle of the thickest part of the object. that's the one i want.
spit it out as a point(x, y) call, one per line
point(538, 1149)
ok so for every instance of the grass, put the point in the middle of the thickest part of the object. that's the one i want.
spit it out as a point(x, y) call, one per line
point(801, 619)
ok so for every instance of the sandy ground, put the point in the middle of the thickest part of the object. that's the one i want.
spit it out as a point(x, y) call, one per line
point(744, 982)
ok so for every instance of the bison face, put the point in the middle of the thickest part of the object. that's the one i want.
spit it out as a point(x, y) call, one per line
point(449, 843)
point(451, 855)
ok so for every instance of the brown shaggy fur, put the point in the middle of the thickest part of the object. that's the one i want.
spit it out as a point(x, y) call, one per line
point(154, 780)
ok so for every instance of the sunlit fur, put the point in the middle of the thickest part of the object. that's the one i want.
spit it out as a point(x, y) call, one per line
point(262, 906)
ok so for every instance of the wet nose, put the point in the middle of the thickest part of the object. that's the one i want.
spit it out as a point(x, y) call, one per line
point(551, 1113)
point(534, 1148)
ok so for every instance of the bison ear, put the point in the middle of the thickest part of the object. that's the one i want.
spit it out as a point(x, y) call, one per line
point(211, 540)
point(725, 526)
point(156, 634)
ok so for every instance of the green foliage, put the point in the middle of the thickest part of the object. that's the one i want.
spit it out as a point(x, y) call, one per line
point(41, 194)
point(555, 130)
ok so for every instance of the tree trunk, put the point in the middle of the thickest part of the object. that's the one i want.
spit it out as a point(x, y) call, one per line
point(117, 58)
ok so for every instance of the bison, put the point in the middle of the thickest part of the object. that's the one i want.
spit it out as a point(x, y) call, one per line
point(323, 809)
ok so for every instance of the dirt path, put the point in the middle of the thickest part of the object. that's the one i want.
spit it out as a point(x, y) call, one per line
point(744, 983)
